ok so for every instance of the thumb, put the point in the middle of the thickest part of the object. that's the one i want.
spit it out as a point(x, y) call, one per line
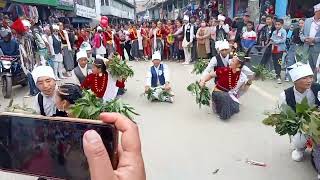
point(98, 158)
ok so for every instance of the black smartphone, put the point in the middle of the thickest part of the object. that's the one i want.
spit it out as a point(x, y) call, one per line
point(50, 147)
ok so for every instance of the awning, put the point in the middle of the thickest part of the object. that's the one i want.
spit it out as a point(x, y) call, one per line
point(81, 20)
point(67, 8)
point(42, 2)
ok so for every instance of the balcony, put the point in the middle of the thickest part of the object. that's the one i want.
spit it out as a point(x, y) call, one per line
point(113, 11)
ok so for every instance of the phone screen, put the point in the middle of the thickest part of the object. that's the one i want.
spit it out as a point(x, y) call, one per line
point(48, 148)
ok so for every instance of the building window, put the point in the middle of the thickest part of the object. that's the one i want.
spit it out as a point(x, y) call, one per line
point(107, 2)
point(102, 2)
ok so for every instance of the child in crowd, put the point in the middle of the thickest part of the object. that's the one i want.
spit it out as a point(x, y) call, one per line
point(249, 37)
point(278, 40)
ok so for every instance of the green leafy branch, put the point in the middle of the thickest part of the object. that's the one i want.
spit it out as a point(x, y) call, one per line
point(200, 66)
point(305, 120)
point(202, 94)
point(119, 68)
point(263, 73)
point(90, 107)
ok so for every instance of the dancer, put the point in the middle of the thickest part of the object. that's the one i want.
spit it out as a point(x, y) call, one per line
point(231, 82)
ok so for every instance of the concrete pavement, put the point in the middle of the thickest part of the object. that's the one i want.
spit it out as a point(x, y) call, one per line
point(182, 142)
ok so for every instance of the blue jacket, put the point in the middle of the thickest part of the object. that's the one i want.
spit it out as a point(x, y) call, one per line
point(10, 48)
point(155, 76)
point(279, 38)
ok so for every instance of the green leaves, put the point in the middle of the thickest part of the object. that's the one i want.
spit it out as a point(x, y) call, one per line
point(90, 107)
point(305, 119)
point(200, 66)
point(119, 68)
point(162, 95)
point(262, 73)
point(202, 94)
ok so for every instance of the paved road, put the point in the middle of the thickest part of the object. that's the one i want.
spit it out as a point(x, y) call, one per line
point(182, 142)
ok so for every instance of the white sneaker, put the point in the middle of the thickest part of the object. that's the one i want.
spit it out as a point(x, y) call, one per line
point(297, 155)
point(185, 63)
point(279, 81)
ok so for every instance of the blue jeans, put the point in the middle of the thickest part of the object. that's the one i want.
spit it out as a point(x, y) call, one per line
point(171, 51)
point(32, 86)
point(290, 58)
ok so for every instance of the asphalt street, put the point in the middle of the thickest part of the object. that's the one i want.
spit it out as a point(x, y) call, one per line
point(182, 142)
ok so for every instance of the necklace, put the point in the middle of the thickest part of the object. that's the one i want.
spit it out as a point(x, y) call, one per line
point(230, 80)
point(96, 83)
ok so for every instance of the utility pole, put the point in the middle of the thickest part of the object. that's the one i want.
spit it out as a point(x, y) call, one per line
point(135, 11)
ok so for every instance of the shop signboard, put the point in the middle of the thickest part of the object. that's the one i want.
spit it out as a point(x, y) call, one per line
point(66, 3)
point(86, 12)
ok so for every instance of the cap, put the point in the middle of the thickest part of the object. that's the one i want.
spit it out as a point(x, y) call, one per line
point(42, 71)
point(300, 70)
point(156, 56)
point(81, 54)
point(317, 7)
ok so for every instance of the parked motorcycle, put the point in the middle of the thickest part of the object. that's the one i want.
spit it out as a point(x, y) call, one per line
point(11, 74)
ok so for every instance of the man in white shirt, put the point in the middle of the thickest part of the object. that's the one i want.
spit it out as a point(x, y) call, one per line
point(158, 77)
point(302, 76)
point(188, 31)
point(311, 36)
point(45, 80)
point(83, 69)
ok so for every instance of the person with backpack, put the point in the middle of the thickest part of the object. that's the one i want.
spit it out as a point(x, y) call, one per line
point(45, 80)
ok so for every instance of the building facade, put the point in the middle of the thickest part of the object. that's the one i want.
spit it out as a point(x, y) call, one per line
point(115, 10)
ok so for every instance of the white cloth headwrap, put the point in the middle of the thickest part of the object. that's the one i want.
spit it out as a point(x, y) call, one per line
point(156, 55)
point(221, 18)
point(317, 7)
point(82, 54)
point(42, 71)
point(300, 70)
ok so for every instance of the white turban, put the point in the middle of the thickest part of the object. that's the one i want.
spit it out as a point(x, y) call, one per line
point(186, 18)
point(81, 54)
point(85, 46)
point(317, 7)
point(42, 71)
point(156, 56)
point(221, 45)
point(300, 70)
point(55, 27)
point(221, 18)
point(26, 23)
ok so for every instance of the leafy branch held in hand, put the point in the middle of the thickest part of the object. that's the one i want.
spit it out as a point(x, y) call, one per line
point(200, 66)
point(202, 94)
point(305, 120)
point(119, 68)
point(90, 107)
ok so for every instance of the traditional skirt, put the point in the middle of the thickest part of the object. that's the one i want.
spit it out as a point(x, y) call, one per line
point(135, 49)
point(315, 158)
point(67, 59)
point(224, 105)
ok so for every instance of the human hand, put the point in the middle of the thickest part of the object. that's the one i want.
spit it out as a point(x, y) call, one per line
point(167, 87)
point(202, 84)
point(146, 88)
point(130, 167)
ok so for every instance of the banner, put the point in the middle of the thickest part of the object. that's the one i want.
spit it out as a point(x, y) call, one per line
point(86, 12)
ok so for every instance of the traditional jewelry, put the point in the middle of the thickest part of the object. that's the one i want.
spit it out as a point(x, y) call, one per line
point(102, 85)
point(230, 79)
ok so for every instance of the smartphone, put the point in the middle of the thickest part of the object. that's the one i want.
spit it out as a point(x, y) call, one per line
point(50, 147)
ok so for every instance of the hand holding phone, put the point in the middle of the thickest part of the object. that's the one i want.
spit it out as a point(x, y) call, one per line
point(130, 166)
